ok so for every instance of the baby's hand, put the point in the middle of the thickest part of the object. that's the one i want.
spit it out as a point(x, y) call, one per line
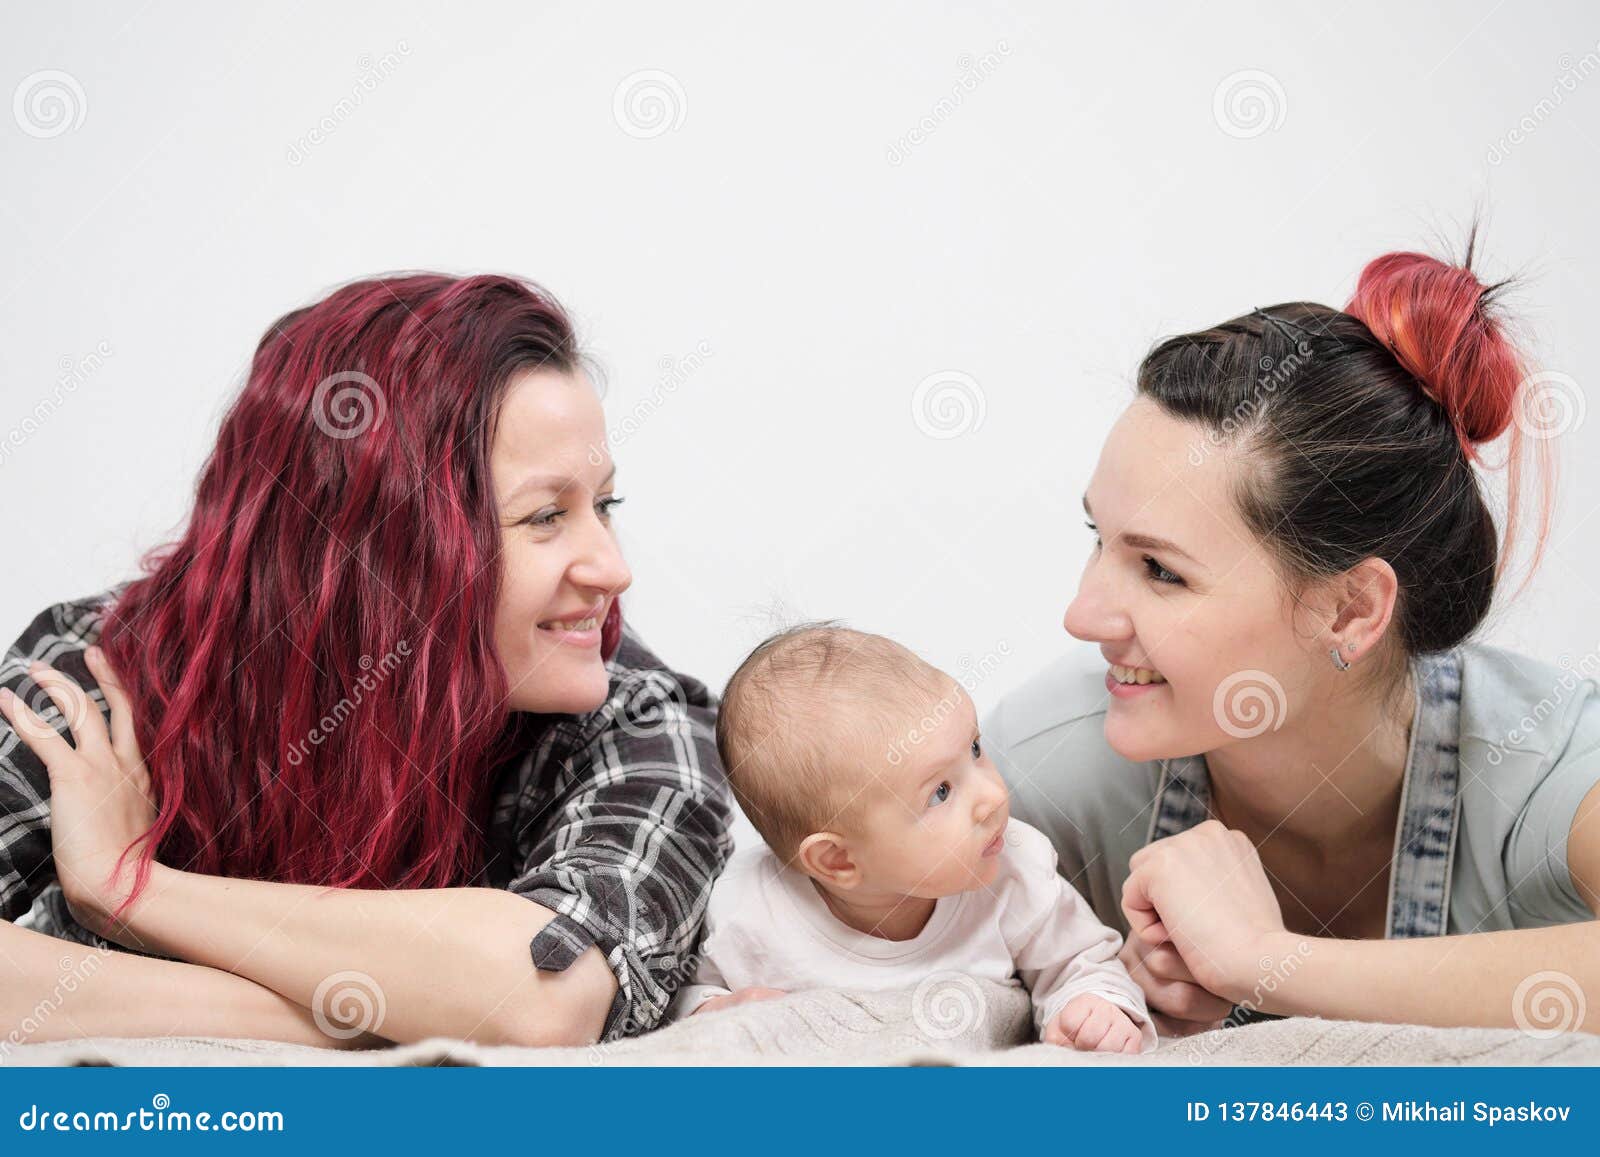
point(743, 996)
point(1092, 1023)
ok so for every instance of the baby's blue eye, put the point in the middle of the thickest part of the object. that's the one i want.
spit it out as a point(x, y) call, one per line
point(977, 750)
point(940, 794)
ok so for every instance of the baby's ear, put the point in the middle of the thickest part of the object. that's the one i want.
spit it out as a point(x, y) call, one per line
point(825, 857)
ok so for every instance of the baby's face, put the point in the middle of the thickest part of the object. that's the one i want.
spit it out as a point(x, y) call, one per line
point(934, 821)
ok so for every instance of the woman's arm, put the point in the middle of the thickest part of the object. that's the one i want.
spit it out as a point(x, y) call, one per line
point(1535, 979)
point(54, 989)
point(1205, 893)
point(406, 964)
point(1538, 979)
point(403, 964)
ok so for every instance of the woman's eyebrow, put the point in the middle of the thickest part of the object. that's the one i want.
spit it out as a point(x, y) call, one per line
point(556, 482)
point(1147, 541)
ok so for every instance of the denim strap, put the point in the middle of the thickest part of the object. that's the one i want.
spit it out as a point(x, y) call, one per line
point(1425, 838)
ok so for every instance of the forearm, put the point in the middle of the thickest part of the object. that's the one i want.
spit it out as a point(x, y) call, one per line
point(407, 964)
point(1444, 981)
point(52, 989)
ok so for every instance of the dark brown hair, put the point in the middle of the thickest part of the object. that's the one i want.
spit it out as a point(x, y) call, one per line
point(1358, 430)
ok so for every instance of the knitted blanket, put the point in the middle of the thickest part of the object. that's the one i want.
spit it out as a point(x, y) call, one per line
point(976, 1023)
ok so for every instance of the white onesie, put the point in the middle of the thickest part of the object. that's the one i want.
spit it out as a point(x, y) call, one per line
point(767, 927)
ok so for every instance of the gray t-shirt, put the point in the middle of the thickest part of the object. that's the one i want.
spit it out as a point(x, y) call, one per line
point(1504, 749)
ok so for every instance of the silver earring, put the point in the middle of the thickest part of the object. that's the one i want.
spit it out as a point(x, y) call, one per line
point(1339, 660)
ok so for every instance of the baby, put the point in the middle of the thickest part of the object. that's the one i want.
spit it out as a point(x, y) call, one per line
point(890, 853)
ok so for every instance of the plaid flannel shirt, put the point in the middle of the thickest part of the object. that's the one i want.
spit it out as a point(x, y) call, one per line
point(617, 820)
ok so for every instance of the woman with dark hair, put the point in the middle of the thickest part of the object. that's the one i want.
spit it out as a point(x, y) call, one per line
point(382, 759)
point(1296, 783)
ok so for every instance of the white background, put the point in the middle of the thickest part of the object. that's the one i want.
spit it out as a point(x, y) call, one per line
point(1081, 197)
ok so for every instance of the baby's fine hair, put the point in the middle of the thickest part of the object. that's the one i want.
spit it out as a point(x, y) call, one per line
point(808, 718)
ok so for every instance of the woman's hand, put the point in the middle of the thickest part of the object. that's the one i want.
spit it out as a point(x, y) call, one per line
point(1205, 893)
point(99, 791)
point(1180, 1006)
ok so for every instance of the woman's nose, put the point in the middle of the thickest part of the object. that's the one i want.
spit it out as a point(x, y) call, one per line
point(601, 565)
point(1094, 615)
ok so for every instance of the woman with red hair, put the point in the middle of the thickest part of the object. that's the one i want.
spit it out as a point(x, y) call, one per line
point(382, 760)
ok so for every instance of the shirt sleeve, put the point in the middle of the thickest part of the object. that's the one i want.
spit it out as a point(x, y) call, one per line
point(631, 845)
point(1060, 947)
point(59, 637)
point(1538, 876)
point(708, 982)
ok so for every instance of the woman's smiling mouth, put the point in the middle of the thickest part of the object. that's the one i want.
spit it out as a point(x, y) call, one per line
point(1125, 682)
point(575, 632)
point(1136, 674)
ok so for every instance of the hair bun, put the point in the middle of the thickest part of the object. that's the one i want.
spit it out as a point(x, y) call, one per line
point(1436, 320)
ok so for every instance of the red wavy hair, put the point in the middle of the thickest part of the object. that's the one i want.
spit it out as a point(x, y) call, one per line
point(312, 665)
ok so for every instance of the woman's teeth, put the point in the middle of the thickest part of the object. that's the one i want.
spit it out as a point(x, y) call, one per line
point(1136, 675)
point(588, 624)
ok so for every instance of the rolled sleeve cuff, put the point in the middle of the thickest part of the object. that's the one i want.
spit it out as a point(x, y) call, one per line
point(639, 1003)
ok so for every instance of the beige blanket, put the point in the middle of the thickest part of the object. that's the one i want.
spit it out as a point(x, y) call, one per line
point(989, 1025)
